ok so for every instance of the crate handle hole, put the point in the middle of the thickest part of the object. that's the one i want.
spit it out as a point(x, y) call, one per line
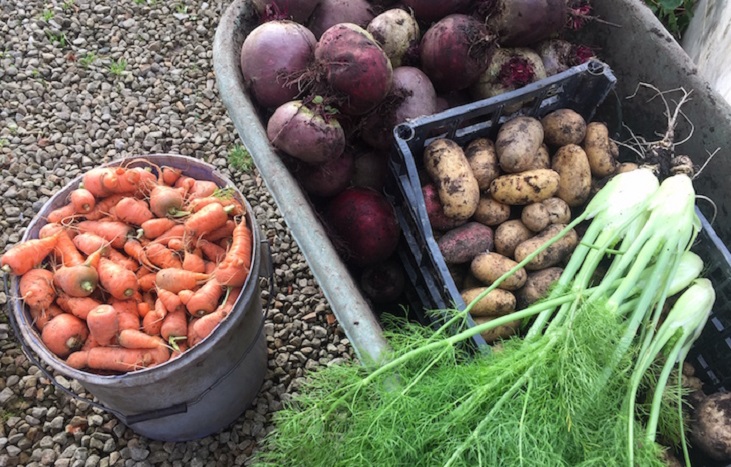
point(404, 132)
point(596, 67)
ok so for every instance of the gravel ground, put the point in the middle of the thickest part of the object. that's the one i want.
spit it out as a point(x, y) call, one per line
point(83, 83)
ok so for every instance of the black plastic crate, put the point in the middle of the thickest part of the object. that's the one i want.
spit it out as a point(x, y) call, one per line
point(582, 88)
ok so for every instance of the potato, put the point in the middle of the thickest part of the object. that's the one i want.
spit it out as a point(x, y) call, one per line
point(463, 243)
point(537, 285)
point(562, 127)
point(501, 332)
point(600, 150)
point(470, 281)
point(498, 302)
point(483, 161)
point(552, 255)
point(572, 166)
point(510, 234)
point(543, 158)
point(452, 175)
point(527, 187)
point(490, 212)
point(535, 216)
point(517, 144)
point(558, 211)
point(490, 266)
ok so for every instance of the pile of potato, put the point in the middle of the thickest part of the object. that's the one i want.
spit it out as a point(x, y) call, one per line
point(492, 203)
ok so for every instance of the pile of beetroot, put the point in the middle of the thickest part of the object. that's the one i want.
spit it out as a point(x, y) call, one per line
point(334, 77)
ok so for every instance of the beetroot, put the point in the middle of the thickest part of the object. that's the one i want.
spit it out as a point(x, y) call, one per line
point(435, 211)
point(371, 169)
point(559, 55)
point(331, 12)
point(520, 23)
point(454, 52)
point(295, 10)
point(363, 226)
point(398, 34)
point(509, 69)
point(383, 282)
point(307, 133)
point(327, 179)
point(354, 66)
point(269, 75)
point(429, 11)
point(411, 96)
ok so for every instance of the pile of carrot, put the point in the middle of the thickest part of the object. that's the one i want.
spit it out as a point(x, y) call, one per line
point(140, 265)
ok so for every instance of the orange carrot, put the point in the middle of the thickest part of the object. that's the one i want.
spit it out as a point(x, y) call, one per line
point(63, 214)
point(176, 280)
point(23, 257)
point(185, 183)
point(210, 267)
point(157, 226)
point(147, 280)
point(82, 200)
point(132, 211)
point(119, 281)
point(36, 289)
point(137, 180)
point(103, 322)
point(234, 269)
point(202, 189)
point(65, 250)
point(225, 231)
point(88, 243)
point(127, 313)
point(135, 339)
point(211, 251)
point(125, 360)
point(192, 337)
point(170, 175)
point(76, 281)
point(192, 261)
point(166, 201)
point(64, 334)
point(103, 207)
point(101, 181)
point(206, 324)
point(152, 322)
point(174, 326)
point(175, 231)
point(170, 300)
point(181, 345)
point(208, 219)
point(185, 296)
point(235, 206)
point(79, 359)
point(114, 232)
point(78, 306)
point(205, 299)
point(162, 257)
point(41, 316)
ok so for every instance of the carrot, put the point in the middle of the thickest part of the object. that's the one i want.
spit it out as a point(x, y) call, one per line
point(211, 251)
point(119, 281)
point(192, 261)
point(174, 326)
point(206, 324)
point(103, 322)
point(82, 200)
point(137, 180)
point(103, 207)
point(237, 209)
point(185, 183)
point(179, 348)
point(234, 269)
point(225, 231)
point(176, 280)
point(23, 257)
point(192, 337)
point(170, 300)
point(76, 281)
point(79, 359)
point(176, 244)
point(157, 226)
point(162, 257)
point(124, 360)
point(127, 313)
point(65, 250)
point(132, 211)
point(77, 306)
point(208, 219)
point(147, 280)
point(176, 231)
point(101, 181)
point(166, 201)
point(88, 243)
point(64, 334)
point(210, 267)
point(135, 339)
point(202, 189)
point(41, 316)
point(152, 322)
point(170, 175)
point(205, 299)
point(36, 289)
point(62, 214)
point(114, 232)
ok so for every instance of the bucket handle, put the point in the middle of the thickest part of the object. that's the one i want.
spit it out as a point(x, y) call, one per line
point(266, 269)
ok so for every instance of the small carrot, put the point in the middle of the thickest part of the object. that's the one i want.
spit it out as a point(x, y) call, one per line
point(103, 207)
point(78, 359)
point(176, 231)
point(166, 201)
point(192, 337)
point(82, 200)
point(176, 244)
point(135, 180)
point(211, 251)
point(23, 257)
point(132, 211)
point(103, 323)
point(179, 346)
point(185, 296)
point(147, 280)
point(87, 243)
point(210, 267)
point(65, 250)
point(64, 334)
point(202, 189)
point(234, 269)
point(205, 299)
point(77, 306)
point(119, 281)
point(135, 339)
point(176, 280)
point(114, 232)
point(208, 219)
point(192, 261)
point(170, 300)
point(41, 316)
point(76, 281)
point(152, 322)
point(62, 214)
point(206, 324)
point(225, 231)
point(101, 181)
point(170, 175)
point(125, 360)
point(157, 226)
point(185, 183)
point(174, 326)
point(127, 313)
point(237, 209)
point(36, 289)
point(162, 257)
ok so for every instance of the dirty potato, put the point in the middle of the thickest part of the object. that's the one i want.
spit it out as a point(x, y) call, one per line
point(483, 161)
point(572, 166)
point(552, 255)
point(527, 187)
point(535, 216)
point(600, 150)
point(461, 244)
point(517, 144)
point(562, 127)
point(491, 212)
point(497, 302)
point(509, 235)
point(490, 266)
point(558, 211)
point(500, 332)
point(537, 286)
point(457, 187)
